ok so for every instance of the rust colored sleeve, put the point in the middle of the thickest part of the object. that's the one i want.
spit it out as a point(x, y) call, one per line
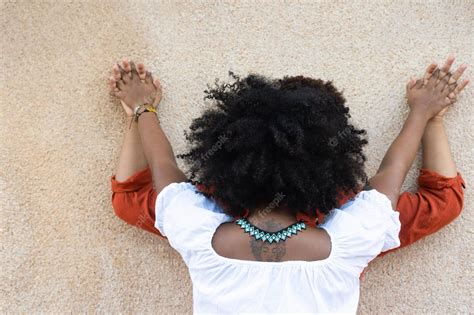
point(134, 199)
point(438, 201)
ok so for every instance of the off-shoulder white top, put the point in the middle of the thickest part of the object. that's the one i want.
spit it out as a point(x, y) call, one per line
point(359, 230)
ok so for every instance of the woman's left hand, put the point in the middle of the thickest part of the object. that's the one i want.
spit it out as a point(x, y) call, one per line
point(132, 90)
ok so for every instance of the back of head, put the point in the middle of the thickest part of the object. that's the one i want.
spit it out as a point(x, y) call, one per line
point(266, 138)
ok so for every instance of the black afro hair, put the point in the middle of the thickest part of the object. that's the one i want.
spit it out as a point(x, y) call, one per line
point(264, 138)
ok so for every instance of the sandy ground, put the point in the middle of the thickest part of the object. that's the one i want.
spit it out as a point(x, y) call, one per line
point(63, 250)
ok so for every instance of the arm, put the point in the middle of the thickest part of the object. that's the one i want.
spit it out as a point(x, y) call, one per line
point(436, 152)
point(440, 197)
point(426, 98)
point(133, 195)
point(132, 91)
point(132, 158)
point(399, 158)
point(158, 152)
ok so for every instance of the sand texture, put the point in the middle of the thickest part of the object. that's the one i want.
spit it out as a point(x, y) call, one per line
point(62, 248)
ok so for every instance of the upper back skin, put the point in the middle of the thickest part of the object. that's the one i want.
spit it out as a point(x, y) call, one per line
point(311, 244)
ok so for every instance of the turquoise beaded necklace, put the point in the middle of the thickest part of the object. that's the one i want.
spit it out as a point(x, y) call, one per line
point(271, 237)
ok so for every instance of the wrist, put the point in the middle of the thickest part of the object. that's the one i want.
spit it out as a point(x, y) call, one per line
point(433, 125)
point(140, 110)
point(419, 114)
point(147, 114)
point(436, 120)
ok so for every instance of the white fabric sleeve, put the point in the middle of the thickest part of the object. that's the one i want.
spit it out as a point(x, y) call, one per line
point(187, 218)
point(164, 200)
point(363, 228)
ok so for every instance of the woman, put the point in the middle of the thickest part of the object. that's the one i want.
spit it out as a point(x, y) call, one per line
point(271, 169)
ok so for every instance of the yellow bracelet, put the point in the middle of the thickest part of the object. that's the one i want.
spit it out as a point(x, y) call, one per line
point(148, 108)
point(137, 113)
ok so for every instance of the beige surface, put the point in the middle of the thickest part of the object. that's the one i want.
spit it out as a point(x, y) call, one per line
point(60, 133)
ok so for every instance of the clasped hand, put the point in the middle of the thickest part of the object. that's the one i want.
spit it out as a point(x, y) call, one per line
point(431, 95)
point(134, 86)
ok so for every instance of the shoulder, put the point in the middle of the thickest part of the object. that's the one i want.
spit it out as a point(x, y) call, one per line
point(184, 203)
point(186, 217)
point(363, 227)
point(184, 196)
point(171, 191)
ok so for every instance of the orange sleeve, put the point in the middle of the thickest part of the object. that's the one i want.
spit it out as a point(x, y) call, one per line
point(438, 201)
point(134, 199)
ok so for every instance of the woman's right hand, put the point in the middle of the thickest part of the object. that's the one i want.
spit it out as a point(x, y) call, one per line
point(431, 95)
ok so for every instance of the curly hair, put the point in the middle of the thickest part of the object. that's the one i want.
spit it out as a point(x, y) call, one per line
point(265, 137)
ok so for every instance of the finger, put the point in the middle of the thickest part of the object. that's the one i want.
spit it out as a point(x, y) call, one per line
point(133, 71)
point(429, 72)
point(126, 65)
point(419, 83)
point(442, 75)
point(120, 84)
point(448, 63)
point(457, 75)
point(444, 71)
point(116, 93)
point(411, 83)
point(111, 82)
point(141, 70)
point(448, 101)
point(443, 85)
point(148, 77)
point(434, 78)
point(431, 68)
point(157, 84)
point(451, 87)
point(125, 77)
point(116, 73)
point(461, 86)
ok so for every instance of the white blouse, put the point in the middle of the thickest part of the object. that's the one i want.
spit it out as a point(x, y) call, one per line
point(359, 230)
